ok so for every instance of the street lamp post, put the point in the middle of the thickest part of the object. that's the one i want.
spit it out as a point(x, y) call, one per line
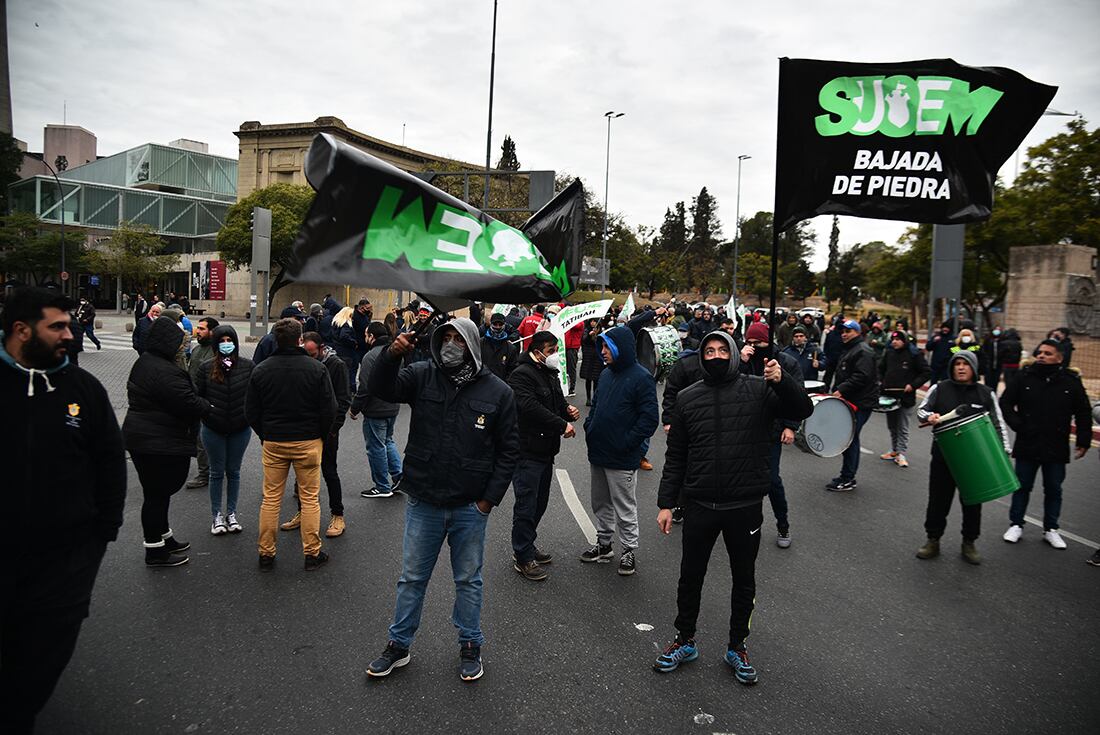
point(489, 130)
point(737, 226)
point(61, 210)
point(610, 114)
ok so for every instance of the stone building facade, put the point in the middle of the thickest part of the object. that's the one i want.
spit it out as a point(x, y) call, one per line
point(1051, 286)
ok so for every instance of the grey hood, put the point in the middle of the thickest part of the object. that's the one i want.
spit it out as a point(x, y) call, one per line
point(970, 358)
point(735, 355)
point(469, 332)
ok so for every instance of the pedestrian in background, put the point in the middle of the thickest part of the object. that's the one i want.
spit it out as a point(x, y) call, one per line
point(857, 383)
point(85, 315)
point(223, 380)
point(903, 371)
point(141, 329)
point(379, 419)
point(939, 348)
point(344, 342)
point(1039, 405)
point(290, 405)
point(160, 427)
point(203, 351)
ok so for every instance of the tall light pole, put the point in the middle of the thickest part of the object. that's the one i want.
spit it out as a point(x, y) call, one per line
point(489, 130)
point(610, 115)
point(1049, 112)
point(737, 226)
point(60, 208)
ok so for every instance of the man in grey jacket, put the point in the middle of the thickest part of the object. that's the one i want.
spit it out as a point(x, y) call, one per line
point(379, 417)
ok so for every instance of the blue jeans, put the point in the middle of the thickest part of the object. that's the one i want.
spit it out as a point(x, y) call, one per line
point(225, 452)
point(777, 495)
point(851, 455)
point(89, 332)
point(426, 526)
point(1054, 474)
point(385, 462)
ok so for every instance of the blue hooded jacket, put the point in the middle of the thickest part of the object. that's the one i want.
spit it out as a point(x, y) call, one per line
point(624, 411)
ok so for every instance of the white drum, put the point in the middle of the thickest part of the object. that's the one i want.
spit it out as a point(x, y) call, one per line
point(829, 429)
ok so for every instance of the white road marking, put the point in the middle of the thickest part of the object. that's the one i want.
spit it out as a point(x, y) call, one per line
point(644, 627)
point(1064, 534)
point(574, 503)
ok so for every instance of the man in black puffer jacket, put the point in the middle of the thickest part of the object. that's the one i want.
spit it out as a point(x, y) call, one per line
point(544, 418)
point(290, 405)
point(856, 381)
point(717, 466)
point(460, 458)
point(65, 462)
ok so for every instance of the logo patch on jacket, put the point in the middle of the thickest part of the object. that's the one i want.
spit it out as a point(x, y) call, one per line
point(74, 416)
point(480, 424)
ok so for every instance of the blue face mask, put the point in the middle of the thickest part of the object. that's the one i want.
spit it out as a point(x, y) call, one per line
point(226, 348)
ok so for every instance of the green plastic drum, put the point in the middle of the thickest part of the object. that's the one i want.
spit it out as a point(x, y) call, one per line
point(977, 459)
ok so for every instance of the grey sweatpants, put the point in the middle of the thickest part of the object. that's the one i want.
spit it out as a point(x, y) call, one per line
point(615, 505)
point(898, 422)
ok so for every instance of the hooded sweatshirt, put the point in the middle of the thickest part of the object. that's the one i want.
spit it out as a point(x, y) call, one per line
point(624, 411)
point(719, 442)
point(227, 396)
point(60, 426)
point(948, 395)
point(463, 442)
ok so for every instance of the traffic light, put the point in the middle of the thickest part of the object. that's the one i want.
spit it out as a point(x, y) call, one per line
point(252, 220)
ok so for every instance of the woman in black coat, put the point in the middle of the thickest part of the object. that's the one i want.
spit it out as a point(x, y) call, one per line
point(591, 361)
point(159, 432)
point(223, 381)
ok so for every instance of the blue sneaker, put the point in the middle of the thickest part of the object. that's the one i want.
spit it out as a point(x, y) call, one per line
point(678, 652)
point(470, 668)
point(738, 659)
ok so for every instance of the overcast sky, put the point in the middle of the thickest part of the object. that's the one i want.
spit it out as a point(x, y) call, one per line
point(697, 80)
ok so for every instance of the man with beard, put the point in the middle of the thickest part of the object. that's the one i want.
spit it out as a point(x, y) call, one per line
point(716, 466)
point(856, 383)
point(755, 356)
point(68, 461)
point(204, 329)
point(141, 330)
point(459, 461)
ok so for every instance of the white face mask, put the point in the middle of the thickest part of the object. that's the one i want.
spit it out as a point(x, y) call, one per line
point(967, 340)
point(552, 361)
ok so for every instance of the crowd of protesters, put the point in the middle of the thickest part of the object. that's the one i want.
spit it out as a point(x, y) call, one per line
point(488, 412)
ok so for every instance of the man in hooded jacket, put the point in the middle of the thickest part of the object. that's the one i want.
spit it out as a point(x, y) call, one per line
point(52, 411)
point(717, 467)
point(460, 458)
point(497, 349)
point(617, 429)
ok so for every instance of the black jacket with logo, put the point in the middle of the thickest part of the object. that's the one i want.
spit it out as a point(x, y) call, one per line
point(1038, 405)
point(164, 412)
point(290, 398)
point(65, 458)
point(540, 407)
point(721, 436)
point(463, 444)
point(857, 375)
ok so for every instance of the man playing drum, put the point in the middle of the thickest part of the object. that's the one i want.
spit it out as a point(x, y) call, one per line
point(959, 390)
point(903, 370)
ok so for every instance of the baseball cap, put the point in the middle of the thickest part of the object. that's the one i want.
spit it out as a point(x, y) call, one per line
point(851, 324)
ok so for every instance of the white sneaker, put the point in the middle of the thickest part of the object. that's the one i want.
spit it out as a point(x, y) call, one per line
point(1013, 534)
point(233, 523)
point(1053, 538)
point(217, 528)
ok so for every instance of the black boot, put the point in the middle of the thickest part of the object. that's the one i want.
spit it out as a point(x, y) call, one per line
point(158, 555)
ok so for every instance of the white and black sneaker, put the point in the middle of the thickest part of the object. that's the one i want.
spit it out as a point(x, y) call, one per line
point(841, 486)
point(392, 658)
point(233, 524)
point(627, 565)
point(599, 554)
point(218, 527)
point(374, 492)
point(395, 482)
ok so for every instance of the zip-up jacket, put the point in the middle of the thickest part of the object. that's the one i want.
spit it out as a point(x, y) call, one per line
point(290, 398)
point(1039, 404)
point(227, 398)
point(624, 409)
point(541, 410)
point(857, 375)
point(903, 367)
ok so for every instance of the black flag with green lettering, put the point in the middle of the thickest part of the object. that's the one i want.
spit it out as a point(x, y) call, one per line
point(373, 224)
point(557, 231)
point(917, 140)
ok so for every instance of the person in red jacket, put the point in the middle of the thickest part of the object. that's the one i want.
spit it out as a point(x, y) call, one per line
point(572, 350)
point(530, 325)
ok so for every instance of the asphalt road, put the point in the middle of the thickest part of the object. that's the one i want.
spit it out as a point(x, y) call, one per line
point(851, 633)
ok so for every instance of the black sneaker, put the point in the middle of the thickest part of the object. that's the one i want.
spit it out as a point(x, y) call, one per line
point(175, 547)
point(542, 557)
point(395, 482)
point(267, 563)
point(677, 515)
point(841, 486)
point(1094, 559)
point(531, 570)
point(469, 662)
point(599, 554)
point(393, 657)
point(374, 492)
point(316, 561)
point(626, 563)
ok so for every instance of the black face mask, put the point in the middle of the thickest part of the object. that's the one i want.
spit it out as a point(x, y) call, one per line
point(717, 367)
point(762, 353)
point(1045, 370)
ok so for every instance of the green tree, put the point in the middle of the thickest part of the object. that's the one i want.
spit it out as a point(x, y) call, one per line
point(29, 250)
point(849, 277)
point(829, 280)
point(703, 268)
point(754, 275)
point(11, 160)
point(508, 160)
point(798, 279)
point(288, 204)
point(134, 253)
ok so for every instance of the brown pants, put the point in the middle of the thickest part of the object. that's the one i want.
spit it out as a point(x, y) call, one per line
point(278, 457)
